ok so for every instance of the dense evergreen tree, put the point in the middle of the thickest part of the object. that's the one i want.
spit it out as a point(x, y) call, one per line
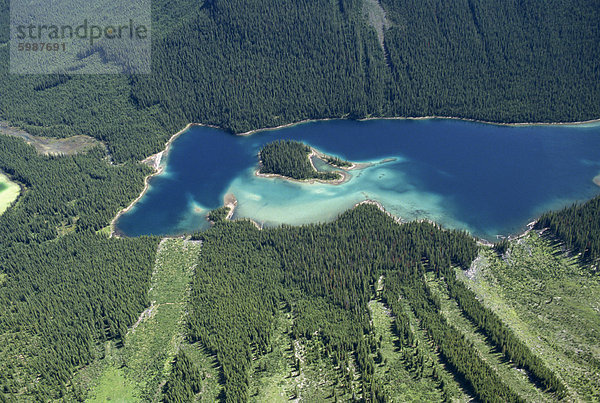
point(218, 214)
point(335, 161)
point(578, 227)
point(325, 273)
point(184, 380)
point(290, 159)
point(64, 288)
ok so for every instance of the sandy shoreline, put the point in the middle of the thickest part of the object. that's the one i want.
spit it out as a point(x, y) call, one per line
point(113, 231)
point(334, 182)
point(597, 179)
point(155, 159)
point(230, 201)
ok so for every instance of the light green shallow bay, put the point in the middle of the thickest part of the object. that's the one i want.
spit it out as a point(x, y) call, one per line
point(9, 191)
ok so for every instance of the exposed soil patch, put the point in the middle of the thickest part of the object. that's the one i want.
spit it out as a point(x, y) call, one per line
point(52, 146)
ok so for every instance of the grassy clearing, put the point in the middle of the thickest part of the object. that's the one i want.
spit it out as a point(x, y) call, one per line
point(144, 362)
point(209, 368)
point(273, 377)
point(514, 377)
point(50, 145)
point(551, 302)
point(9, 191)
point(114, 387)
point(104, 231)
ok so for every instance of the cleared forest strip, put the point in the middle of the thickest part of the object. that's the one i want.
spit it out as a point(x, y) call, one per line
point(150, 346)
point(551, 303)
point(458, 392)
point(516, 378)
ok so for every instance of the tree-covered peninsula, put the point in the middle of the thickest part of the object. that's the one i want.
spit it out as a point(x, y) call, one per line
point(326, 278)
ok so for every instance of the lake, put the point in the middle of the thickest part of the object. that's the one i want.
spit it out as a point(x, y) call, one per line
point(487, 179)
point(9, 191)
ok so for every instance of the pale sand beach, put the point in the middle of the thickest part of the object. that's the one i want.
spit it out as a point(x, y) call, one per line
point(230, 201)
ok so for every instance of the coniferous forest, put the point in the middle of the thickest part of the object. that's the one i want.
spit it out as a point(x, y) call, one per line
point(578, 227)
point(68, 291)
point(337, 264)
point(65, 287)
point(231, 64)
point(290, 159)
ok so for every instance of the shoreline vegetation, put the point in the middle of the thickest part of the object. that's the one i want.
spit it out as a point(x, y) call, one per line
point(287, 125)
point(225, 212)
point(155, 160)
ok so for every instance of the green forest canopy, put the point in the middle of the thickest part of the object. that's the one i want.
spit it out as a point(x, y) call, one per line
point(230, 64)
point(290, 159)
point(325, 274)
point(578, 226)
point(65, 288)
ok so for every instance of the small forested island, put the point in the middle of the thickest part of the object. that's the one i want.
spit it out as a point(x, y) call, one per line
point(337, 162)
point(291, 159)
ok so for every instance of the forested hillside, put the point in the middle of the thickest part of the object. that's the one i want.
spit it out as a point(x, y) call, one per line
point(231, 64)
point(325, 275)
point(64, 288)
point(578, 226)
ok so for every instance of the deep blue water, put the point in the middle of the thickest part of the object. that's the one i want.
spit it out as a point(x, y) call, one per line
point(487, 179)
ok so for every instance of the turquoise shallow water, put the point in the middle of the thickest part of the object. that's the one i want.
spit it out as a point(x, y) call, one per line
point(487, 179)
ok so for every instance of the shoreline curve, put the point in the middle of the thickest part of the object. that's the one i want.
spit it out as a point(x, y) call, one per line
point(155, 160)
